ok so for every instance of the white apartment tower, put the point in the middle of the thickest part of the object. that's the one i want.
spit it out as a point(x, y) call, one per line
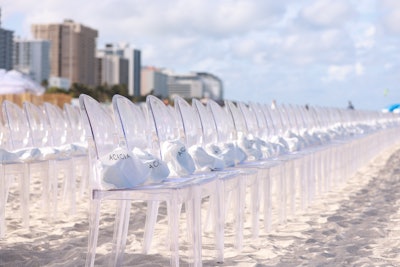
point(154, 81)
point(129, 56)
point(31, 57)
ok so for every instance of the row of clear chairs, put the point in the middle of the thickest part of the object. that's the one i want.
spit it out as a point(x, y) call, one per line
point(277, 156)
point(45, 142)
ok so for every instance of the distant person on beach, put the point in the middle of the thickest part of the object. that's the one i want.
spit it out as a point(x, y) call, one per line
point(273, 104)
point(350, 105)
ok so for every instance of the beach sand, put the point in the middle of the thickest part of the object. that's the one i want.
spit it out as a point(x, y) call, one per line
point(356, 224)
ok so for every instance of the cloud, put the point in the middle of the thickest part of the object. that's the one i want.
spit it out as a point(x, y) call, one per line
point(367, 39)
point(391, 16)
point(343, 72)
point(293, 51)
point(326, 13)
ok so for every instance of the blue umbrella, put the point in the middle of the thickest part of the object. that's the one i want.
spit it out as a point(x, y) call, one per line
point(392, 107)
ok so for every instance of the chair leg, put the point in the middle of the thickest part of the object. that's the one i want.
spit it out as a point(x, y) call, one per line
point(267, 202)
point(292, 185)
point(84, 174)
point(120, 232)
point(151, 219)
point(219, 220)
point(3, 201)
point(255, 203)
point(173, 210)
point(94, 219)
point(303, 172)
point(282, 192)
point(24, 188)
point(194, 227)
point(70, 175)
point(239, 220)
point(51, 189)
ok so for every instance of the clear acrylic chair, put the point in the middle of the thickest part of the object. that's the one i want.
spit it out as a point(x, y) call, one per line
point(103, 138)
point(61, 140)
point(133, 128)
point(168, 129)
point(243, 126)
point(77, 138)
point(59, 161)
point(230, 179)
point(12, 167)
point(20, 143)
point(217, 143)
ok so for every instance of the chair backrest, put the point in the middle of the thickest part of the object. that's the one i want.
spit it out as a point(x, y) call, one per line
point(272, 115)
point(162, 122)
point(208, 127)
point(5, 141)
point(190, 122)
point(264, 131)
point(99, 127)
point(58, 125)
point(224, 123)
point(74, 120)
point(238, 119)
point(249, 118)
point(38, 125)
point(284, 116)
point(132, 124)
point(170, 137)
point(291, 118)
point(17, 124)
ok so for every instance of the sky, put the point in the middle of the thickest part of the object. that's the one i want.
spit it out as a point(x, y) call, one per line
point(315, 52)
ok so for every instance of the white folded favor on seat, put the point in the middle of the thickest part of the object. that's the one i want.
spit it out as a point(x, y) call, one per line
point(73, 149)
point(204, 160)
point(250, 147)
point(121, 169)
point(158, 168)
point(229, 153)
point(23, 155)
point(50, 153)
point(180, 162)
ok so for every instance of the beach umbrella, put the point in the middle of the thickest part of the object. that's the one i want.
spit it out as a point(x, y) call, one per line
point(392, 108)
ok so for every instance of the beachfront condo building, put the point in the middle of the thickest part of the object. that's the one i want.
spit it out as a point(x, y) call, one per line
point(112, 68)
point(212, 86)
point(6, 48)
point(72, 52)
point(195, 85)
point(154, 81)
point(31, 57)
point(120, 64)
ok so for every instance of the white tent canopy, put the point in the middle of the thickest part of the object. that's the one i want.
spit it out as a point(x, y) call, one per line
point(14, 82)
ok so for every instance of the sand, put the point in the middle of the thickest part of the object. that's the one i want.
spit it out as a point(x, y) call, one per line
point(356, 224)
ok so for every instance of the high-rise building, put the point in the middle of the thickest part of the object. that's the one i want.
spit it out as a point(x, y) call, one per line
point(31, 57)
point(112, 68)
point(6, 48)
point(154, 81)
point(135, 71)
point(212, 86)
point(73, 50)
point(195, 84)
point(133, 57)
